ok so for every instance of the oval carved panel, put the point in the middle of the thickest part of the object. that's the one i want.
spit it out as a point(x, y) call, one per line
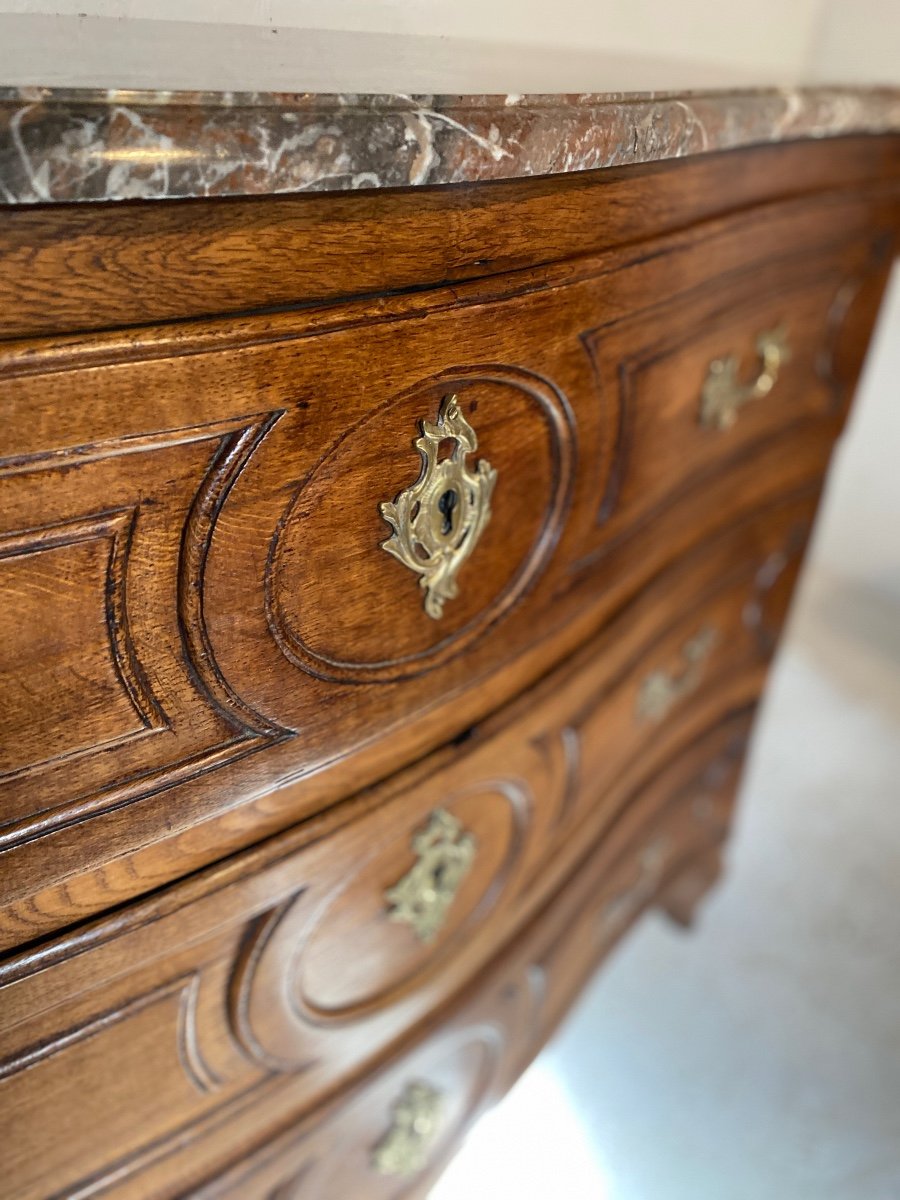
point(350, 1154)
point(340, 607)
point(387, 954)
point(344, 956)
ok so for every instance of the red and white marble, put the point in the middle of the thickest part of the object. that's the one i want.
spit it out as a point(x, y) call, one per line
point(71, 145)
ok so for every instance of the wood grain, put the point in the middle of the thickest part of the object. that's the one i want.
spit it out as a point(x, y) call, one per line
point(227, 717)
point(98, 266)
point(287, 658)
point(675, 835)
point(174, 1092)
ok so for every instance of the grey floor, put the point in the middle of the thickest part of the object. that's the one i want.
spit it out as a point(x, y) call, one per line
point(758, 1057)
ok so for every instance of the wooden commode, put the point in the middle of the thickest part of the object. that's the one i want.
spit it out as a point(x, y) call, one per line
point(388, 577)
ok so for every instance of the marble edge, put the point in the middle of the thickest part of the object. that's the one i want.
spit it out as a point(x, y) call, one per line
point(77, 145)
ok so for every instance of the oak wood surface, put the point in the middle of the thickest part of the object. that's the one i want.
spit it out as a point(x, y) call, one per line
point(227, 717)
point(154, 1022)
point(196, 513)
point(674, 834)
point(96, 266)
point(282, 970)
point(125, 1001)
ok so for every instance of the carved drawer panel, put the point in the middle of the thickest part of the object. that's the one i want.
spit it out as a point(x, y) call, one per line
point(293, 965)
point(700, 381)
point(169, 1093)
point(101, 703)
point(666, 853)
point(251, 566)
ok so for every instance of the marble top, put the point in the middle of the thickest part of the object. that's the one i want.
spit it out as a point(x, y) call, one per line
point(60, 145)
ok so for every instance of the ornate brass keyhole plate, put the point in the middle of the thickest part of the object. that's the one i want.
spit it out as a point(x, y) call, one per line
point(438, 520)
point(723, 395)
point(444, 856)
point(661, 690)
point(417, 1119)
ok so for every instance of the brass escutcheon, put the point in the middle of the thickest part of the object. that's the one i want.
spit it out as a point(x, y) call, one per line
point(723, 395)
point(444, 857)
point(437, 521)
point(416, 1121)
point(660, 690)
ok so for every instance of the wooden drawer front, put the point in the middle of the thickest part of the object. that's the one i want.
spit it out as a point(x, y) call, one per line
point(631, 635)
point(304, 959)
point(699, 380)
point(665, 852)
point(199, 608)
point(353, 1144)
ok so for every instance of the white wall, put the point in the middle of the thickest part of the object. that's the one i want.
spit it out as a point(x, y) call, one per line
point(737, 32)
point(446, 45)
point(857, 40)
point(437, 45)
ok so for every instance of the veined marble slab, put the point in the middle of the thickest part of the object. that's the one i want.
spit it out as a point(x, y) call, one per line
point(70, 145)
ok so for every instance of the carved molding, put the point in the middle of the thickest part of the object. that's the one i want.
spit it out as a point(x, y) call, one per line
point(232, 456)
point(233, 729)
point(115, 528)
point(190, 1053)
point(273, 1015)
point(779, 568)
point(555, 410)
point(641, 353)
point(840, 314)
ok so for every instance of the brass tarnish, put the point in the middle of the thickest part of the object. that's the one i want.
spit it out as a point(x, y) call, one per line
point(723, 395)
point(416, 1121)
point(437, 521)
point(444, 856)
point(660, 690)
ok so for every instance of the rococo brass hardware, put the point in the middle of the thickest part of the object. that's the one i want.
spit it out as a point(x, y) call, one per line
point(444, 856)
point(660, 690)
point(723, 395)
point(438, 520)
point(416, 1121)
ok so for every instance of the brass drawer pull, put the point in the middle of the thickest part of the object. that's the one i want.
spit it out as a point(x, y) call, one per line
point(438, 520)
point(444, 857)
point(660, 690)
point(723, 395)
point(416, 1121)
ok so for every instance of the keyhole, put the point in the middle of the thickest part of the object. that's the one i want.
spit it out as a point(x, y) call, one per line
point(446, 505)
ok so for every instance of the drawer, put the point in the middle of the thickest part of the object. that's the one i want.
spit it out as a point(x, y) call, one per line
point(390, 1132)
point(665, 853)
point(217, 616)
point(298, 963)
point(699, 381)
